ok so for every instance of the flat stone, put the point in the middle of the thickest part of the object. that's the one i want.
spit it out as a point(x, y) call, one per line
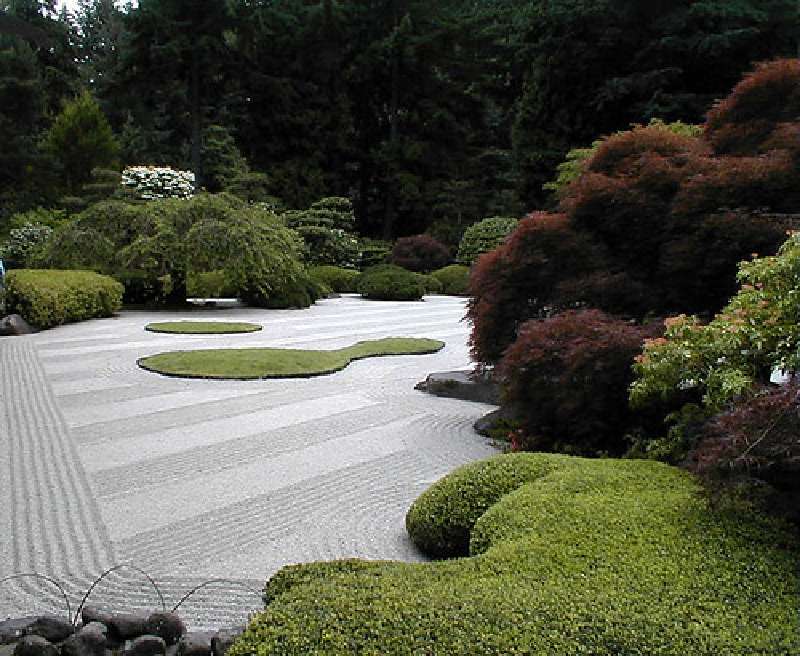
point(13, 629)
point(464, 385)
point(168, 626)
point(146, 645)
point(49, 627)
point(128, 625)
point(34, 645)
point(223, 639)
point(495, 419)
point(13, 325)
point(196, 643)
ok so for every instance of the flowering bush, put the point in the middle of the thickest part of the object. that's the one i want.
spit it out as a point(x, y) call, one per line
point(22, 244)
point(151, 182)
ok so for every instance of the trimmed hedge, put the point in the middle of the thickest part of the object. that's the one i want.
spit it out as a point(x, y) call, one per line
point(454, 279)
point(484, 236)
point(338, 279)
point(587, 557)
point(388, 282)
point(49, 297)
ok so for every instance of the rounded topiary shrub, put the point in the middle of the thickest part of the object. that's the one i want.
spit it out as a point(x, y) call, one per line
point(338, 279)
point(454, 279)
point(419, 253)
point(390, 283)
point(484, 236)
point(441, 519)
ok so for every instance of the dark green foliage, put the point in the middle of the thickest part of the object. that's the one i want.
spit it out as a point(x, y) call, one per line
point(339, 280)
point(140, 288)
point(390, 283)
point(23, 243)
point(484, 236)
point(47, 298)
point(252, 186)
point(210, 284)
point(584, 556)
point(324, 229)
point(421, 253)
point(222, 161)
point(374, 252)
point(454, 279)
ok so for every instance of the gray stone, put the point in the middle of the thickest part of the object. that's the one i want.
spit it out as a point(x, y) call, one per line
point(494, 420)
point(34, 645)
point(91, 614)
point(11, 630)
point(13, 325)
point(168, 626)
point(223, 639)
point(128, 625)
point(146, 645)
point(196, 643)
point(49, 627)
point(89, 641)
point(464, 385)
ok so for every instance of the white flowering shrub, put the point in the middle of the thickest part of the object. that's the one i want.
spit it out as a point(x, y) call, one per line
point(151, 182)
point(23, 243)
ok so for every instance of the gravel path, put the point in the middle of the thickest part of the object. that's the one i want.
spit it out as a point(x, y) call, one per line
point(103, 463)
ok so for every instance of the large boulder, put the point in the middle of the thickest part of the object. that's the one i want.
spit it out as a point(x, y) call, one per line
point(13, 325)
point(465, 385)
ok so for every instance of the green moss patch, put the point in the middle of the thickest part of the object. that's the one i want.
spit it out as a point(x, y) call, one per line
point(568, 556)
point(202, 327)
point(245, 364)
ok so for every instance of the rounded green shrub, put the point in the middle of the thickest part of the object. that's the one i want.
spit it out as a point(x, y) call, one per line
point(454, 279)
point(432, 285)
point(484, 236)
point(390, 283)
point(338, 279)
point(441, 520)
point(210, 284)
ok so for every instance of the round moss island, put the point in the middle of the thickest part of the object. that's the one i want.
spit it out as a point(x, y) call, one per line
point(202, 327)
point(257, 363)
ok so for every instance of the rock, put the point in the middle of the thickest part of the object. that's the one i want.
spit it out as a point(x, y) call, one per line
point(89, 641)
point(196, 643)
point(128, 625)
point(14, 324)
point(168, 626)
point(91, 614)
point(494, 420)
point(12, 630)
point(50, 628)
point(223, 639)
point(463, 385)
point(34, 645)
point(146, 645)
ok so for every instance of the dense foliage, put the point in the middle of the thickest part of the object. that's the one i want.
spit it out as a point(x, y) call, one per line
point(339, 279)
point(569, 556)
point(388, 282)
point(325, 228)
point(484, 236)
point(22, 245)
point(47, 298)
point(421, 253)
point(454, 279)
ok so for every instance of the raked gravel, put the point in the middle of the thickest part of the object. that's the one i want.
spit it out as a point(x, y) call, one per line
point(104, 463)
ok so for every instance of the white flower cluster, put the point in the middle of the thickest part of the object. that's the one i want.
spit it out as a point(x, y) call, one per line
point(150, 182)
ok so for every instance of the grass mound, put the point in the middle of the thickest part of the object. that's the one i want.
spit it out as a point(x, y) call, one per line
point(202, 327)
point(280, 363)
point(570, 556)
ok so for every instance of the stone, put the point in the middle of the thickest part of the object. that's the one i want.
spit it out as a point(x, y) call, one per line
point(464, 385)
point(13, 325)
point(222, 640)
point(89, 641)
point(168, 626)
point(49, 627)
point(34, 645)
point(494, 420)
point(146, 645)
point(196, 643)
point(11, 630)
point(91, 614)
point(128, 625)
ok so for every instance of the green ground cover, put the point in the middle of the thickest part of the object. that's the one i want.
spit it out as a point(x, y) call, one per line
point(202, 327)
point(567, 556)
point(255, 363)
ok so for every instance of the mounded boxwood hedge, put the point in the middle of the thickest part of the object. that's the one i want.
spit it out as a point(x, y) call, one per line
point(454, 279)
point(570, 556)
point(387, 282)
point(338, 279)
point(50, 297)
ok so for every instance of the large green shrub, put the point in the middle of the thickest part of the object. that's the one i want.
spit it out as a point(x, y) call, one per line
point(391, 283)
point(454, 279)
point(47, 297)
point(571, 556)
point(325, 228)
point(339, 279)
point(484, 236)
point(20, 249)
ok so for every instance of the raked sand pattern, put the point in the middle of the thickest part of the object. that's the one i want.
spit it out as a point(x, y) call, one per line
point(103, 463)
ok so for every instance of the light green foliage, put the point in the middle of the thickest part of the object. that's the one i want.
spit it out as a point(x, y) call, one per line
point(47, 298)
point(387, 282)
point(81, 139)
point(280, 363)
point(338, 279)
point(325, 229)
point(570, 556)
point(210, 284)
point(202, 327)
point(756, 332)
point(484, 236)
point(572, 167)
point(454, 279)
point(20, 249)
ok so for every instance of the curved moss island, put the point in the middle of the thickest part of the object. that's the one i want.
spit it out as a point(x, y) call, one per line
point(564, 556)
point(202, 327)
point(255, 363)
